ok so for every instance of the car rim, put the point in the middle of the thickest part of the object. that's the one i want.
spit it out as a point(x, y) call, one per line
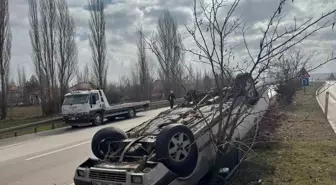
point(131, 113)
point(98, 119)
point(179, 147)
point(107, 148)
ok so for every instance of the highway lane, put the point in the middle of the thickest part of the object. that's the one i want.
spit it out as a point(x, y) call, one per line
point(51, 158)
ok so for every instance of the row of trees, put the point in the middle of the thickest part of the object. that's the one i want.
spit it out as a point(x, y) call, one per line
point(52, 33)
point(54, 51)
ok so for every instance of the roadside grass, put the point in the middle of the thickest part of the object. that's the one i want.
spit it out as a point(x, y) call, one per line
point(22, 115)
point(296, 146)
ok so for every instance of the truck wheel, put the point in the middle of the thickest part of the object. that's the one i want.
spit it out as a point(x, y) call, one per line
point(98, 119)
point(131, 113)
point(102, 139)
point(176, 148)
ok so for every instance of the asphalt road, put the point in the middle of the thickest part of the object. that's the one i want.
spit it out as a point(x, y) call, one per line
point(50, 158)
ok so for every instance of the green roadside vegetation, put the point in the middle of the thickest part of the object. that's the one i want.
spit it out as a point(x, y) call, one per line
point(295, 146)
point(23, 115)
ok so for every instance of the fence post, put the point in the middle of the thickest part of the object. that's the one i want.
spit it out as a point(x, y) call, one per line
point(326, 104)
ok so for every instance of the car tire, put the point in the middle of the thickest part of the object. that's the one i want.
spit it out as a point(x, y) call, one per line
point(233, 158)
point(176, 148)
point(98, 119)
point(74, 126)
point(131, 113)
point(244, 86)
point(101, 139)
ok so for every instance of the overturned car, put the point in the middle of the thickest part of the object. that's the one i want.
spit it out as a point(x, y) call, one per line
point(176, 146)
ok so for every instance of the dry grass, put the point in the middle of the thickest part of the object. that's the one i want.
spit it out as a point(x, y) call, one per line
point(297, 146)
point(22, 115)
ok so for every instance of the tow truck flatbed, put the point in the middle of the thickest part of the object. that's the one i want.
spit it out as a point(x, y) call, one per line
point(91, 106)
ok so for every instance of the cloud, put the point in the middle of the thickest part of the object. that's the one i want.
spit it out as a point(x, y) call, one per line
point(95, 4)
point(124, 17)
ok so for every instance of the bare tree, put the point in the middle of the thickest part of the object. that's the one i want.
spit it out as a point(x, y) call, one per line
point(287, 67)
point(67, 49)
point(48, 13)
point(22, 79)
point(35, 39)
point(167, 47)
point(83, 76)
point(207, 82)
point(5, 54)
point(44, 39)
point(98, 41)
point(143, 68)
point(210, 33)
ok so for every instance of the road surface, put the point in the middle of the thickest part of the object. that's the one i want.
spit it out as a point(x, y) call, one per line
point(331, 87)
point(51, 158)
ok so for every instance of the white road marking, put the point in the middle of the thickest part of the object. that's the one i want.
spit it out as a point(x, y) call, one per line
point(72, 184)
point(58, 150)
point(8, 146)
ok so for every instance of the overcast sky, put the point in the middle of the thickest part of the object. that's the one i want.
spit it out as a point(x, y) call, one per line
point(124, 16)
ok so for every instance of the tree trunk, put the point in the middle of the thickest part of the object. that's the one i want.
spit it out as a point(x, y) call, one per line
point(3, 96)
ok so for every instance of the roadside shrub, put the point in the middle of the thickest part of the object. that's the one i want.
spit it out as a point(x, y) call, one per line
point(287, 90)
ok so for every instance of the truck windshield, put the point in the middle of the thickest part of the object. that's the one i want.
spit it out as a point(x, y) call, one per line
point(76, 99)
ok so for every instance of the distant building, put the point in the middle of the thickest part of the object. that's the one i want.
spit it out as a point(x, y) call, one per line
point(34, 97)
point(15, 94)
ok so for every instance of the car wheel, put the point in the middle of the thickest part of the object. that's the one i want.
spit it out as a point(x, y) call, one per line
point(103, 142)
point(98, 119)
point(176, 148)
point(244, 86)
point(131, 113)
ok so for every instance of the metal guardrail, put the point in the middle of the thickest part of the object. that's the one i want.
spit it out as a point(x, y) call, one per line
point(52, 121)
point(29, 125)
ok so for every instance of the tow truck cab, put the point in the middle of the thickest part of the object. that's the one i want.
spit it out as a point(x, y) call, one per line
point(79, 106)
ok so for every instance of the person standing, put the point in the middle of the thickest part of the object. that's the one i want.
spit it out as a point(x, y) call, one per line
point(171, 99)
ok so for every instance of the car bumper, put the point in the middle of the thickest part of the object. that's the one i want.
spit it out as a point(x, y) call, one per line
point(77, 119)
point(102, 176)
point(82, 182)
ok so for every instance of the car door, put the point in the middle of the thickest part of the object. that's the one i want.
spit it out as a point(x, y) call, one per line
point(97, 104)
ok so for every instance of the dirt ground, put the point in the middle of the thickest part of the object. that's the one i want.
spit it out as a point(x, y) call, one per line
point(296, 146)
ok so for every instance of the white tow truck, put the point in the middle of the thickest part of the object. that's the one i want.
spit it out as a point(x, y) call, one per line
point(90, 106)
point(173, 148)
